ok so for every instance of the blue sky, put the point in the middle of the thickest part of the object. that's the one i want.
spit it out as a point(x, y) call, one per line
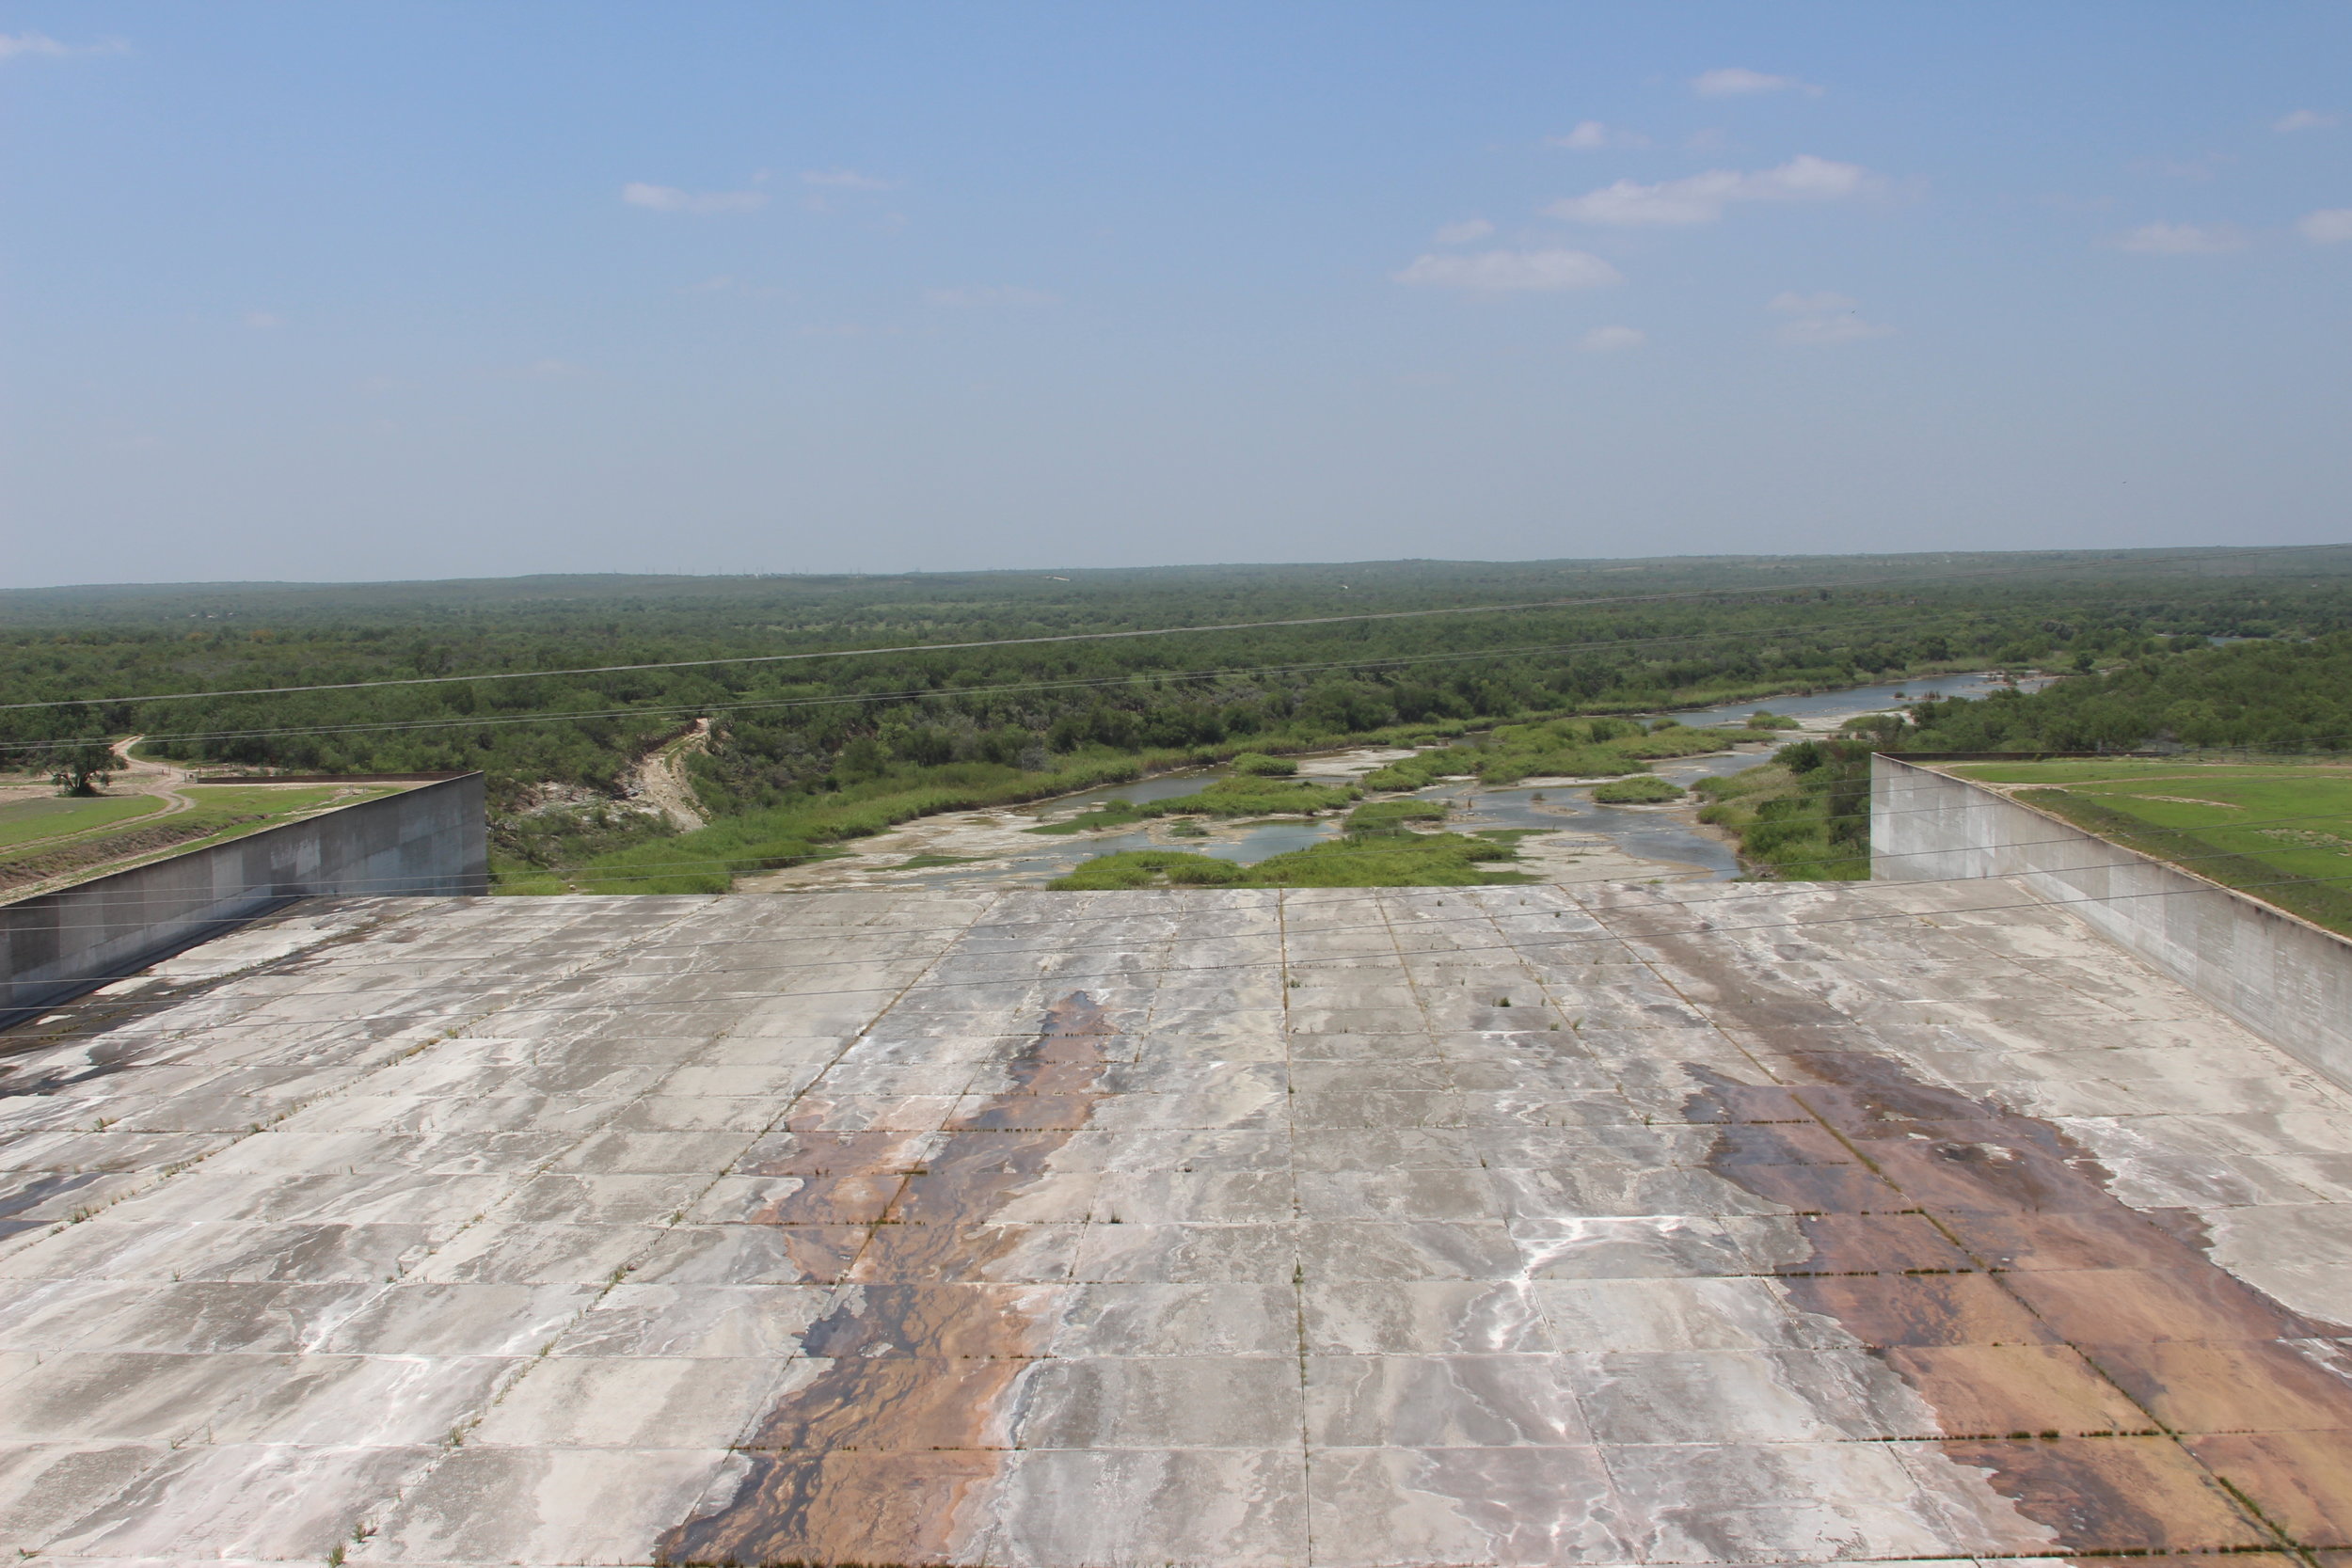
point(375, 290)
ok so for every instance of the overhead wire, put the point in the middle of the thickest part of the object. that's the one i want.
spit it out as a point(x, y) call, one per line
point(1342, 894)
point(1706, 927)
point(660, 870)
point(1133, 678)
point(950, 694)
point(2195, 557)
point(663, 870)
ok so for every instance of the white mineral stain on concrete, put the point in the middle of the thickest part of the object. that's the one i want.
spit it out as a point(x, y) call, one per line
point(1389, 1226)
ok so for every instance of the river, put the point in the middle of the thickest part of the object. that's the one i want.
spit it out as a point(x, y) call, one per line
point(1578, 840)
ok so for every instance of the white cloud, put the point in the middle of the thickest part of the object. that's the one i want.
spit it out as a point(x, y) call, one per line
point(727, 283)
point(1512, 270)
point(669, 199)
point(1823, 318)
point(43, 45)
point(1738, 82)
point(1463, 232)
point(543, 369)
point(2189, 168)
point(2181, 239)
point(2304, 120)
point(2328, 225)
point(1591, 136)
point(1790, 303)
point(845, 179)
point(1701, 198)
point(985, 295)
point(1831, 330)
point(1612, 339)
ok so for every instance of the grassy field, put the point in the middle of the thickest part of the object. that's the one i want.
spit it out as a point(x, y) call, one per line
point(30, 821)
point(224, 805)
point(2281, 831)
point(222, 812)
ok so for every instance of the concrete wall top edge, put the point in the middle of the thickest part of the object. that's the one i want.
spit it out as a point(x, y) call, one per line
point(2257, 907)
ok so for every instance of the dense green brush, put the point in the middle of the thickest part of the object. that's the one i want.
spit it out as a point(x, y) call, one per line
point(1406, 859)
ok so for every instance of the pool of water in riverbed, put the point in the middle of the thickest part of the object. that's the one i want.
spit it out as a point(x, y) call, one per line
point(1651, 832)
point(1854, 699)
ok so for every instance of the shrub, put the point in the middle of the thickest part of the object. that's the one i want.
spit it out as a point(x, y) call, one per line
point(1645, 791)
point(1421, 771)
point(1392, 815)
point(1406, 859)
point(1145, 868)
point(1250, 796)
point(1258, 765)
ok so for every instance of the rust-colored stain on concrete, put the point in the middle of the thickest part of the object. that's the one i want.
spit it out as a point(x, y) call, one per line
point(1975, 1242)
point(2112, 1380)
point(877, 1457)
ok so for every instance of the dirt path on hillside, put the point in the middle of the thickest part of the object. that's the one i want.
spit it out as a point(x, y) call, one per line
point(661, 780)
point(147, 776)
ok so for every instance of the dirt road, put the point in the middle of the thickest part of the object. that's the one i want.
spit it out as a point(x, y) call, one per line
point(662, 780)
point(143, 776)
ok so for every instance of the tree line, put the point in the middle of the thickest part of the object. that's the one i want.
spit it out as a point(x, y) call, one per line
point(1662, 634)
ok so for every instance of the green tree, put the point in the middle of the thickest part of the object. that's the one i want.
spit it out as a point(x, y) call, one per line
point(80, 769)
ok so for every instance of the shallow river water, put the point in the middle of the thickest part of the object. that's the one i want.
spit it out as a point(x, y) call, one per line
point(994, 848)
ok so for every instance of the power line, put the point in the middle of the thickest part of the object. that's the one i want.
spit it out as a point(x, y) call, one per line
point(847, 699)
point(663, 870)
point(1703, 927)
point(1776, 891)
point(2199, 558)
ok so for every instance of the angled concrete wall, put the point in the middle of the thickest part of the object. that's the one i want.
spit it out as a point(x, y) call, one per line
point(428, 841)
point(2285, 978)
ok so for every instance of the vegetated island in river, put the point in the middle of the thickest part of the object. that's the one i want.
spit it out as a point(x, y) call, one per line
point(815, 743)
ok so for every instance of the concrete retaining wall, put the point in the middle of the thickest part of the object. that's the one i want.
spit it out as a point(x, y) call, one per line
point(2280, 975)
point(428, 841)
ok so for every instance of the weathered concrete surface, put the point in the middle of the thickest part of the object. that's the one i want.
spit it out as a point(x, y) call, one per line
point(422, 841)
point(1763, 1223)
point(2289, 981)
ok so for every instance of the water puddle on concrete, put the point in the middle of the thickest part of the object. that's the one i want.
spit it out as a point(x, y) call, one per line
point(873, 1459)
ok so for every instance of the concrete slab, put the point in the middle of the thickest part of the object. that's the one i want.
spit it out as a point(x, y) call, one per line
point(1694, 1224)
